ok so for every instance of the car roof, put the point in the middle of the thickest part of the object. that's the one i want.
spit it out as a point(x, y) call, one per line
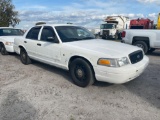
point(4, 27)
point(54, 25)
point(7, 27)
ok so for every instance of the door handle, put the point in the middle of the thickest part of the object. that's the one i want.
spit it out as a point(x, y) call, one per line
point(25, 41)
point(38, 44)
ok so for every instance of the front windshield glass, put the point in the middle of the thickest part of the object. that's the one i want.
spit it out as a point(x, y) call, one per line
point(73, 33)
point(11, 32)
point(107, 26)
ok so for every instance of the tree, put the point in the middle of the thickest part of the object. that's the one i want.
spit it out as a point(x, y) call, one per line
point(8, 16)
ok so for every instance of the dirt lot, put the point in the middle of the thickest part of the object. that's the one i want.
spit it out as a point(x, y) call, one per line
point(42, 92)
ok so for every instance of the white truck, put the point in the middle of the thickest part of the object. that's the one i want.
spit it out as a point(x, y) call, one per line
point(74, 48)
point(148, 40)
point(113, 26)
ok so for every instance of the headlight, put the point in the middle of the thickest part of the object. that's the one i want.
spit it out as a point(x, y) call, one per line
point(9, 43)
point(112, 62)
point(123, 61)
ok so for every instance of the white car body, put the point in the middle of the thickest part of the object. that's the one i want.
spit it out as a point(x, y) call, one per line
point(151, 36)
point(7, 41)
point(59, 54)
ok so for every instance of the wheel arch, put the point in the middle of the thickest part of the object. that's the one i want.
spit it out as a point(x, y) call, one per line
point(20, 47)
point(1, 43)
point(140, 38)
point(76, 56)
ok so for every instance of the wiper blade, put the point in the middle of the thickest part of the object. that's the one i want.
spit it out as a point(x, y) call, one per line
point(88, 38)
point(74, 38)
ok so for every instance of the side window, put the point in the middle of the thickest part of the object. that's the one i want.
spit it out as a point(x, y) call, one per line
point(48, 34)
point(33, 33)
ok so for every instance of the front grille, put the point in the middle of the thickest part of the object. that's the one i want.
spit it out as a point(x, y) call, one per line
point(105, 32)
point(136, 56)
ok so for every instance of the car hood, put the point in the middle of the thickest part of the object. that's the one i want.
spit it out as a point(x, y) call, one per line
point(9, 38)
point(105, 47)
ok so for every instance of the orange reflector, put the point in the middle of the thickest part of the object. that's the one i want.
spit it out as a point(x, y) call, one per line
point(104, 62)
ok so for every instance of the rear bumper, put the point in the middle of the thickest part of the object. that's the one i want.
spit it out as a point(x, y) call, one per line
point(122, 74)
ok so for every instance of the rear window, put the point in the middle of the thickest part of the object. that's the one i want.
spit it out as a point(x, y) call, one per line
point(11, 32)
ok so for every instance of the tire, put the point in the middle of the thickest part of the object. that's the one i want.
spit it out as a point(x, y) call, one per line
point(3, 50)
point(81, 72)
point(104, 37)
point(151, 50)
point(24, 57)
point(116, 36)
point(119, 36)
point(142, 45)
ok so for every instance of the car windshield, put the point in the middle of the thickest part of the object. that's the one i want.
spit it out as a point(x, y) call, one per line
point(73, 33)
point(107, 26)
point(11, 32)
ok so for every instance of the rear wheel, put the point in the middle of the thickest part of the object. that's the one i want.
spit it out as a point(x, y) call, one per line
point(3, 50)
point(24, 57)
point(81, 72)
point(142, 45)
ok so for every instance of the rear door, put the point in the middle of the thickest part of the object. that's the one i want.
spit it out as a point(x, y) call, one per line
point(30, 42)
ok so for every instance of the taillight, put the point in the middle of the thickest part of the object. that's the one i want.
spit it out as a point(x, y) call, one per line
point(123, 34)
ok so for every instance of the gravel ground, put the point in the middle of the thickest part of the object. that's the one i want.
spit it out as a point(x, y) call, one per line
point(42, 92)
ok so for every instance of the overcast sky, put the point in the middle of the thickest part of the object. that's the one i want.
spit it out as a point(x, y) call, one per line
point(89, 13)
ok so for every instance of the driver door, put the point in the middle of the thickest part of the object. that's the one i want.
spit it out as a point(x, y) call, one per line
point(48, 47)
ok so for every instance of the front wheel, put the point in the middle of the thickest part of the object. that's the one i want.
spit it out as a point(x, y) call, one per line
point(3, 50)
point(116, 36)
point(142, 45)
point(24, 57)
point(104, 37)
point(81, 72)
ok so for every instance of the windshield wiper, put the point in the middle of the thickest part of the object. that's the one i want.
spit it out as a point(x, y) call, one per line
point(85, 38)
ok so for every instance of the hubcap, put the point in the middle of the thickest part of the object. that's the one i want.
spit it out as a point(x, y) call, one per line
point(140, 45)
point(80, 73)
point(23, 56)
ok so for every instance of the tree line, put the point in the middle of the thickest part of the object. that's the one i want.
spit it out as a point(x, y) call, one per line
point(8, 14)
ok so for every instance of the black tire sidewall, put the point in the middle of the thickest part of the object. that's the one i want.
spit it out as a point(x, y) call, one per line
point(21, 53)
point(88, 72)
point(3, 50)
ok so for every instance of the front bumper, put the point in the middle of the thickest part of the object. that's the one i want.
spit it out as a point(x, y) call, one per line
point(9, 48)
point(121, 74)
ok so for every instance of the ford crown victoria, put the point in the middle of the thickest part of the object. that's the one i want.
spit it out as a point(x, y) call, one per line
point(74, 48)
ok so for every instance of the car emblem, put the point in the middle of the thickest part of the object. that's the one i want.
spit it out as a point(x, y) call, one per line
point(138, 56)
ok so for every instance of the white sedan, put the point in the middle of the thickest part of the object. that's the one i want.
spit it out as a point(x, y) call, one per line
point(74, 48)
point(7, 36)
